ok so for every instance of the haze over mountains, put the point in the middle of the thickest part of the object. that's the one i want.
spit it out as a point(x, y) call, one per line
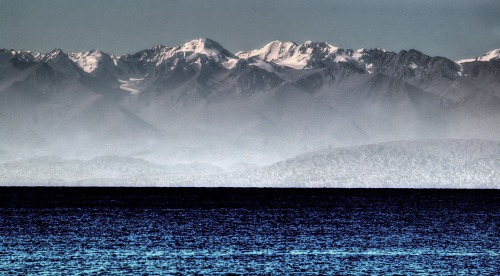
point(197, 103)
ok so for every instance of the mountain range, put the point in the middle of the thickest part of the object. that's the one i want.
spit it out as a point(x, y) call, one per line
point(198, 102)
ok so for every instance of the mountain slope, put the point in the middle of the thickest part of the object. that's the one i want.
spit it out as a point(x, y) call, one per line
point(444, 164)
point(198, 102)
point(404, 164)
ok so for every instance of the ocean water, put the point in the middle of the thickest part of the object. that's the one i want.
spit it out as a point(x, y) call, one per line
point(248, 231)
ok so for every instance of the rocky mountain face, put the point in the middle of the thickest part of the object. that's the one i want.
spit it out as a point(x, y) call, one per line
point(200, 102)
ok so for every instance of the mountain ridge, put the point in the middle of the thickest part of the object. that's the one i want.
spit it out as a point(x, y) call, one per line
point(198, 102)
point(281, 59)
point(491, 55)
point(276, 57)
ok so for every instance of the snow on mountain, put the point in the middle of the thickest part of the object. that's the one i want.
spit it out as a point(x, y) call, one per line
point(491, 55)
point(131, 85)
point(204, 46)
point(209, 48)
point(306, 56)
point(275, 51)
point(197, 102)
point(61, 63)
point(55, 54)
point(87, 61)
point(28, 56)
point(189, 51)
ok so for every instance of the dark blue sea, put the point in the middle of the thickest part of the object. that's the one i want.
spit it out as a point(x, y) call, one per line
point(166, 231)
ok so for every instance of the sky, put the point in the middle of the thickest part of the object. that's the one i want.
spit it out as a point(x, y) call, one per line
point(453, 28)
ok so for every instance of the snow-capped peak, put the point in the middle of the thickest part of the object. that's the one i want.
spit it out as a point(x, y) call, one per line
point(27, 55)
point(270, 52)
point(491, 55)
point(159, 48)
point(56, 53)
point(204, 46)
point(322, 45)
point(296, 56)
point(87, 61)
point(190, 50)
point(364, 50)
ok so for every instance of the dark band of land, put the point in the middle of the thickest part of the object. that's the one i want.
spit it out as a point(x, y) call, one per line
point(241, 197)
